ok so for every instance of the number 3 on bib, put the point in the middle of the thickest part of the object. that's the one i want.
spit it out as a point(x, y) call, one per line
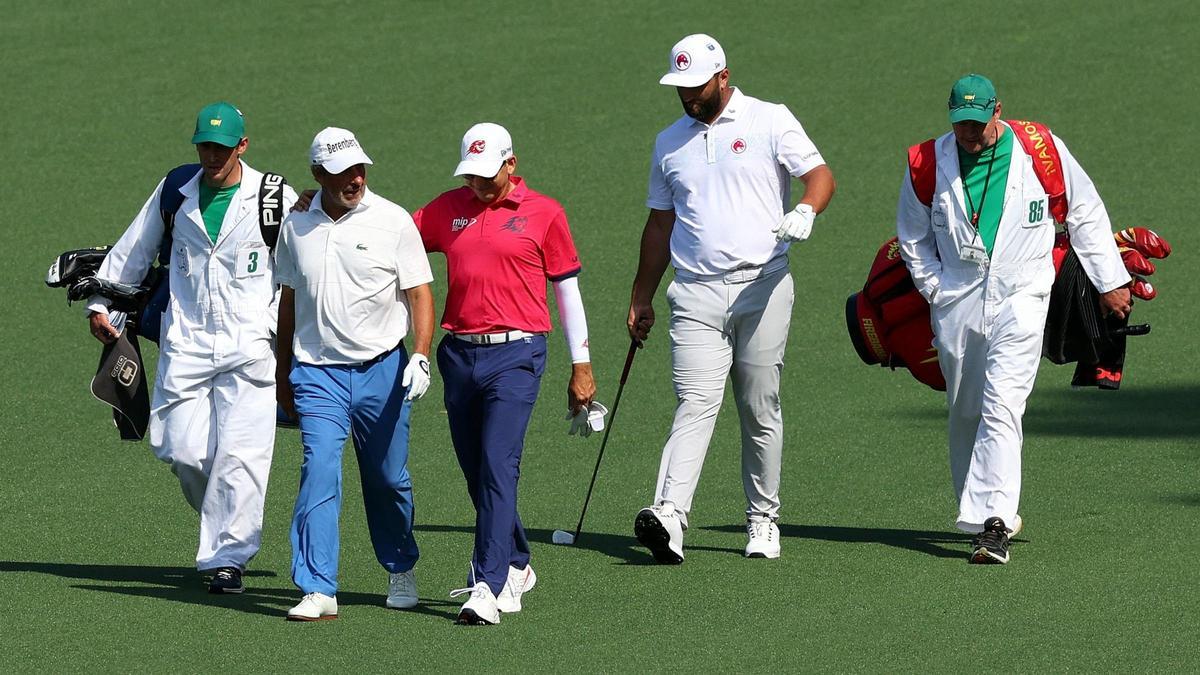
point(250, 262)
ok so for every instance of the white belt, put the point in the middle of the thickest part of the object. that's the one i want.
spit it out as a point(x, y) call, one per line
point(493, 338)
point(738, 276)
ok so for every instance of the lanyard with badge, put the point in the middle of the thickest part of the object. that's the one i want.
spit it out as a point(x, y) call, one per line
point(975, 251)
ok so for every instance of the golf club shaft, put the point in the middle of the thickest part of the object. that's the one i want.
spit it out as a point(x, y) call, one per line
point(633, 347)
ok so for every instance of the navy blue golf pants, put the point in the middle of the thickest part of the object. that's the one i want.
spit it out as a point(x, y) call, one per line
point(490, 392)
point(366, 402)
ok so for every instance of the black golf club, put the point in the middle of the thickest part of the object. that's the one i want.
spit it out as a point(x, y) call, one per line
point(566, 538)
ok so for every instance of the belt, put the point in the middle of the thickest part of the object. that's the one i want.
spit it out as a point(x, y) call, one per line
point(740, 275)
point(493, 338)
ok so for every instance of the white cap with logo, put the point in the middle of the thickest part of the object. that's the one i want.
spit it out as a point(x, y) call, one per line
point(694, 60)
point(336, 150)
point(485, 147)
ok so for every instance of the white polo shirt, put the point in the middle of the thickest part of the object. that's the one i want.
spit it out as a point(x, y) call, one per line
point(350, 277)
point(729, 183)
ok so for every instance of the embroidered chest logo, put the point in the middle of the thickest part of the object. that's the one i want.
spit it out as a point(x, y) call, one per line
point(515, 224)
point(476, 147)
point(738, 147)
point(461, 223)
point(683, 61)
point(360, 247)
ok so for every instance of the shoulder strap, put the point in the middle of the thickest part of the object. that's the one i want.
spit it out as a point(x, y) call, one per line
point(169, 201)
point(270, 207)
point(1038, 142)
point(922, 170)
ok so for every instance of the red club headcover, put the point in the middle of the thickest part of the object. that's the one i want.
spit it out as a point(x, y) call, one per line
point(1140, 288)
point(1135, 262)
point(1144, 240)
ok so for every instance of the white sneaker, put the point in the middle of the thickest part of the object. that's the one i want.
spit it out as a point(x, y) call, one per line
point(658, 528)
point(519, 582)
point(402, 590)
point(480, 609)
point(763, 539)
point(1016, 527)
point(314, 607)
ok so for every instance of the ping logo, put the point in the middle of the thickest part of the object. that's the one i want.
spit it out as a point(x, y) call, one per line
point(476, 147)
point(738, 146)
point(683, 61)
point(461, 224)
point(124, 371)
point(214, 123)
point(272, 185)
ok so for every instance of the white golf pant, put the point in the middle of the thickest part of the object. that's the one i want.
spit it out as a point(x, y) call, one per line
point(989, 343)
point(216, 428)
point(737, 322)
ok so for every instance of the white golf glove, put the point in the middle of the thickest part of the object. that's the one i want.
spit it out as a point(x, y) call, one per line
point(796, 224)
point(416, 377)
point(587, 419)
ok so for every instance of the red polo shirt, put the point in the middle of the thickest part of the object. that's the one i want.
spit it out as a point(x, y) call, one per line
point(498, 257)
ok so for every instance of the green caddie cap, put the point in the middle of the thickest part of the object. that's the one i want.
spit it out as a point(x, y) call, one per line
point(220, 123)
point(972, 98)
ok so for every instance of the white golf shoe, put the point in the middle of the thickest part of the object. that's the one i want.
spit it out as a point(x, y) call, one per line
point(762, 539)
point(480, 609)
point(402, 590)
point(314, 607)
point(519, 582)
point(659, 529)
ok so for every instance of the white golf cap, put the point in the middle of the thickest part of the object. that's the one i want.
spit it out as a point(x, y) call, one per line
point(694, 60)
point(336, 150)
point(485, 147)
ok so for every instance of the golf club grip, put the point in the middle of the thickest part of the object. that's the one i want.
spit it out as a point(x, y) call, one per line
point(633, 346)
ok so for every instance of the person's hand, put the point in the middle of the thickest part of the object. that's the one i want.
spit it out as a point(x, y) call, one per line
point(101, 329)
point(303, 201)
point(581, 388)
point(1116, 302)
point(796, 224)
point(284, 395)
point(641, 319)
point(416, 377)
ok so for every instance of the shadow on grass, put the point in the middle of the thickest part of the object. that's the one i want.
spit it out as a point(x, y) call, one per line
point(920, 541)
point(186, 585)
point(1130, 412)
point(622, 547)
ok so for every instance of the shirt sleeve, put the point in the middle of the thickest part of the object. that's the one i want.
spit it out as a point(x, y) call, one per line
point(412, 264)
point(1089, 227)
point(659, 195)
point(285, 265)
point(794, 150)
point(129, 260)
point(558, 249)
point(425, 220)
point(918, 245)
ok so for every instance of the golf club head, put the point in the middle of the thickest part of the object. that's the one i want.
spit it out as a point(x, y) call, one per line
point(562, 538)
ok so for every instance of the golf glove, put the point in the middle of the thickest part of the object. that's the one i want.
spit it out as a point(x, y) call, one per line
point(796, 224)
point(416, 377)
point(587, 419)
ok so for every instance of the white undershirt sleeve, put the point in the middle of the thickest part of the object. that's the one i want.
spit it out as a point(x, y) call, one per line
point(572, 318)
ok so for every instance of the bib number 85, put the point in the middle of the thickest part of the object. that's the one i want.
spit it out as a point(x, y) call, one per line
point(1037, 211)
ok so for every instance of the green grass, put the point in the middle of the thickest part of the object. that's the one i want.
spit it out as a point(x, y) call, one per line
point(98, 543)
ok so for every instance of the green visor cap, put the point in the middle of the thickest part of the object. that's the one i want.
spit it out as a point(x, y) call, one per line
point(220, 123)
point(972, 98)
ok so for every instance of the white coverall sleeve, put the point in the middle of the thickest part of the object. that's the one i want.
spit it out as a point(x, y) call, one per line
point(130, 259)
point(572, 318)
point(1089, 227)
point(918, 246)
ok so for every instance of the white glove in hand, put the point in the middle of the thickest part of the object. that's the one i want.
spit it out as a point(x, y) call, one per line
point(416, 377)
point(796, 224)
point(587, 419)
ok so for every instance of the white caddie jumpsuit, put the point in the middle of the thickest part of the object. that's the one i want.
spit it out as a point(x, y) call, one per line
point(988, 318)
point(212, 414)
